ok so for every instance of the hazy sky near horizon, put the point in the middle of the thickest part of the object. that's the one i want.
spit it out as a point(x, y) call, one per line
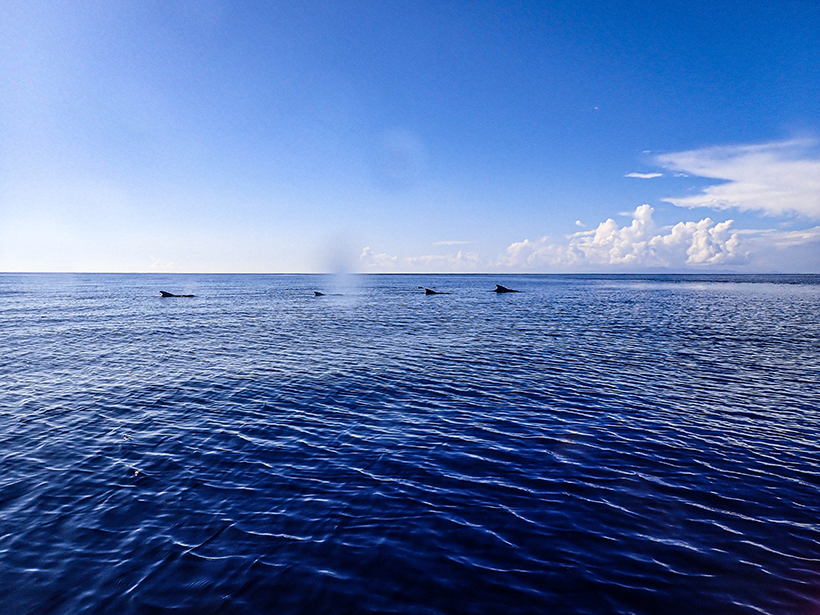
point(300, 136)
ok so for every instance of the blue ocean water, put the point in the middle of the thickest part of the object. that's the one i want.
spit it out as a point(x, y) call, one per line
point(593, 444)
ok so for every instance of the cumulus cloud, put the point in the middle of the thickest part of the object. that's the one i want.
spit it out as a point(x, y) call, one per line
point(635, 246)
point(644, 175)
point(774, 178)
point(371, 261)
point(640, 244)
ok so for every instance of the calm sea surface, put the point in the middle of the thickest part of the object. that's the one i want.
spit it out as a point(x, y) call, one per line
point(609, 444)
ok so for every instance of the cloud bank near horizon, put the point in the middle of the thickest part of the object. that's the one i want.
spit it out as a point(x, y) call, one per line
point(639, 245)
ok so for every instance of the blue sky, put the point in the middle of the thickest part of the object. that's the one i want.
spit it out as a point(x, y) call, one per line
point(309, 136)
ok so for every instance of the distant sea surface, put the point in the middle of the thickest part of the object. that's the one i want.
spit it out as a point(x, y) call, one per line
point(592, 444)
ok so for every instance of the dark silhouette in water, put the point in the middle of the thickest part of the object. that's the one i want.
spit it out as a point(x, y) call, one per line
point(316, 293)
point(504, 289)
point(430, 291)
point(166, 294)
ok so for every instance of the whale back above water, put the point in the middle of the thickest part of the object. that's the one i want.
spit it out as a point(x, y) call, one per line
point(504, 289)
point(164, 294)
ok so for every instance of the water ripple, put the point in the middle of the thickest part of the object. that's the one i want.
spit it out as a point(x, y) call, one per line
point(591, 445)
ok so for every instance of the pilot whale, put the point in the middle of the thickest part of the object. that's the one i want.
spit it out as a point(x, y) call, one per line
point(162, 293)
point(430, 291)
point(504, 289)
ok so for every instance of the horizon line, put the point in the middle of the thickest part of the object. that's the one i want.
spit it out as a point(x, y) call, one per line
point(486, 273)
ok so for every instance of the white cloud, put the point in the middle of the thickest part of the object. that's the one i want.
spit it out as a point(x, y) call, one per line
point(159, 265)
point(644, 175)
point(774, 178)
point(461, 261)
point(796, 251)
point(380, 262)
point(635, 246)
point(638, 245)
point(785, 239)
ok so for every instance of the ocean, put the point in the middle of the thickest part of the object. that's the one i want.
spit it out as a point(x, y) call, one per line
point(624, 444)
